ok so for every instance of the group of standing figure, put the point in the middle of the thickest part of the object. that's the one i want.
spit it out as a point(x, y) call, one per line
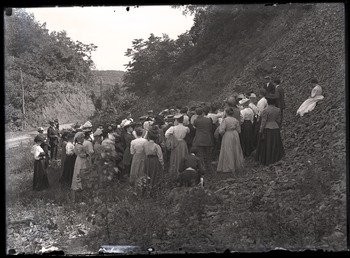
point(179, 143)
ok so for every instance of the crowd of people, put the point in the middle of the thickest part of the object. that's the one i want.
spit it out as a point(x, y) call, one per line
point(182, 144)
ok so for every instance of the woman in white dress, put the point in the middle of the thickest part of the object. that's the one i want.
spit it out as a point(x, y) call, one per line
point(138, 159)
point(309, 104)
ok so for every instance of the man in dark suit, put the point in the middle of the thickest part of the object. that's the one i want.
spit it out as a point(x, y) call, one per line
point(280, 94)
point(52, 134)
point(203, 139)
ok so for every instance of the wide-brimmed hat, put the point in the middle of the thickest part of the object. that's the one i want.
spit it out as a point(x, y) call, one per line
point(40, 129)
point(87, 129)
point(87, 125)
point(241, 96)
point(128, 124)
point(169, 118)
point(252, 95)
point(244, 101)
point(177, 116)
point(98, 132)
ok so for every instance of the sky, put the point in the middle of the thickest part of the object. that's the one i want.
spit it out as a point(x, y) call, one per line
point(112, 29)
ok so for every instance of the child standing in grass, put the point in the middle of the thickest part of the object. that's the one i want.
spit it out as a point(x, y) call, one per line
point(40, 179)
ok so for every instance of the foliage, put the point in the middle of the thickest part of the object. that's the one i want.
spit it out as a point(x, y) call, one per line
point(112, 105)
point(41, 57)
point(199, 58)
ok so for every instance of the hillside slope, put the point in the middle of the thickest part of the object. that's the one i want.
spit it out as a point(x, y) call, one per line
point(67, 102)
point(107, 79)
point(297, 43)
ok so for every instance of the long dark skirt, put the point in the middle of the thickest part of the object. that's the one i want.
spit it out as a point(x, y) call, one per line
point(154, 170)
point(256, 128)
point(68, 169)
point(247, 138)
point(40, 179)
point(270, 147)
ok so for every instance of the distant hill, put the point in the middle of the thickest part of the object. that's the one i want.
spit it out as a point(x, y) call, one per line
point(108, 78)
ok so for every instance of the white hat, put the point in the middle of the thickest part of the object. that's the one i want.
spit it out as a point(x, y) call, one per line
point(177, 116)
point(252, 95)
point(126, 123)
point(241, 96)
point(87, 124)
point(98, 132)
point(243, 101)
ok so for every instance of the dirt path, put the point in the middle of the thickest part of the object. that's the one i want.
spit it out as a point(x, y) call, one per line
point(24, 137)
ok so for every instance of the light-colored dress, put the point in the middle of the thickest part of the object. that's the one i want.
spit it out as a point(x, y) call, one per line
point(309, 104)
point(79, 166)
point(138, 160)
point(179, 149)
point(231, 155)
point(254, 108)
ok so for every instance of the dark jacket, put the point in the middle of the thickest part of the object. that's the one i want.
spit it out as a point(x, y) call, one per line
point(270, 118)
point(270, 88)
point(193, 162)
point(204, 132)
point(52, 134)
point(280, 93)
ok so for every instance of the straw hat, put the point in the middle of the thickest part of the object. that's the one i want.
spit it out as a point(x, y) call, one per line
point(98, 132)
point(244, 101)
point(87, 125)
point(252, 95)
point(127, 124)
point(177, 116)
point(241, 96)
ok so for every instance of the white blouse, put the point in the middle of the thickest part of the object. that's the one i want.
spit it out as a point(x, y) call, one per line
point(186, 120)
point(254, 108)
point(179, 131)
point(194, 117)
point(36, 150)
point(137, 145)
point(69, 148)
point(247, 114)
point(213, 117)
point(261, 105)
point(316, 91)
point(147, 125)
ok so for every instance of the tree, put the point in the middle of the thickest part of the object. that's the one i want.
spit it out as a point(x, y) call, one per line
point(44, 58)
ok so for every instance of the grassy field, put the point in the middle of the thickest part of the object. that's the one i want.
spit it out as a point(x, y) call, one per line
point(259, 209)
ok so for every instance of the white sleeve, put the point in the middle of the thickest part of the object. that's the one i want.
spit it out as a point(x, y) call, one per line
point(169, 132)
point(132, 147)
point(37, 150)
